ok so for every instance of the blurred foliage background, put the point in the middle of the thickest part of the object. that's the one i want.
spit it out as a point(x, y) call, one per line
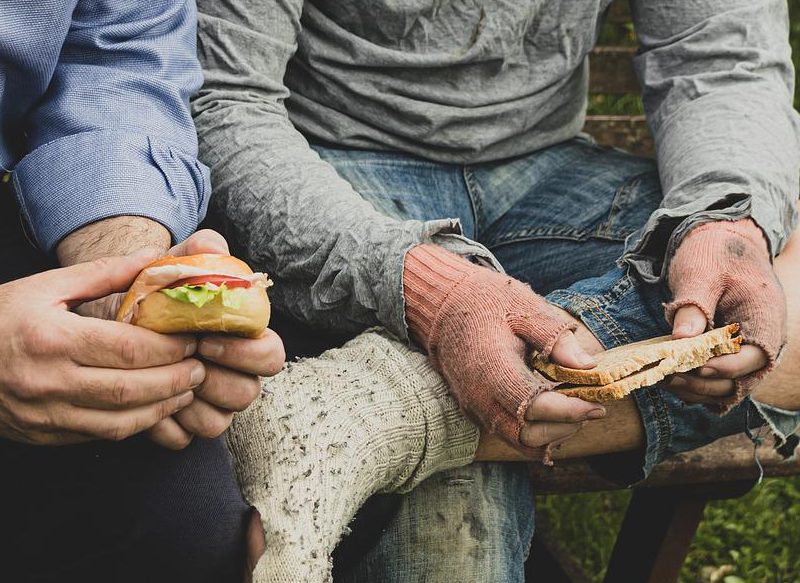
point(631, 104)
point(753, 539)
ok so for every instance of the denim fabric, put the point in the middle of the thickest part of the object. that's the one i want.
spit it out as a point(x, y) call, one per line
point(557, 219)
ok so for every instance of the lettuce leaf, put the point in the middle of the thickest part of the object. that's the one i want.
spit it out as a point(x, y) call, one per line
point(200, 295)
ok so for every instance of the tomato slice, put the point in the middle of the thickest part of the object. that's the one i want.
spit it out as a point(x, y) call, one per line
point(229, 281)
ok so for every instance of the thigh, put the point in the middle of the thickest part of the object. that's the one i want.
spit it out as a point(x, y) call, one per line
point(470, 524)
point(562, 215)
point(128, 511)
point(405, 187)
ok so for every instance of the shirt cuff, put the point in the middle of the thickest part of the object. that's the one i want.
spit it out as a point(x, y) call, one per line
point(649, 250)
point(446, 233)
point(82, 178)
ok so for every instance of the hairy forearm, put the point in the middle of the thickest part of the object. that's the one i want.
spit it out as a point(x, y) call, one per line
point(113, 236)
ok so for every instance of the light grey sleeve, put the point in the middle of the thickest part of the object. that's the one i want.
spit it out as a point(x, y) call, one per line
point(336, 261)
point(717, 81)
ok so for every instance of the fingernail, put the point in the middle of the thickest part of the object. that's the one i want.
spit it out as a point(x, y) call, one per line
point(677, 381)
point(185, 398)
point(597, 413)
point(685, 328)
point(585, 358)
point(707, 371)
point(198, 374)
point(211, 348)
point(191, 348)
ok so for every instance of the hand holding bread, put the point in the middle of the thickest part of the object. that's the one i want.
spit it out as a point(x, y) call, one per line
point(721, 272)
point(622, 369)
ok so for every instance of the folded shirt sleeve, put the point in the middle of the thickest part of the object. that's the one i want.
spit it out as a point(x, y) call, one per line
point(718, 83)
point(113, 135)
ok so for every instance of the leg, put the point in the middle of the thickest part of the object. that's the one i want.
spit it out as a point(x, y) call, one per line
point(330, 431)
point(473, 523)
point(128, 511)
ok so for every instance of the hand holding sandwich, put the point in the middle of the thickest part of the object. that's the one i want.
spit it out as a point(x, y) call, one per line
point(232, 363)
point(478, 327)
point(66, 378)
point(230, 383)
point(721, 273)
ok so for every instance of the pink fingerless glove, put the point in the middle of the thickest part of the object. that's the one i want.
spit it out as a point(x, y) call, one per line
point(724, 268)
point(476, 325)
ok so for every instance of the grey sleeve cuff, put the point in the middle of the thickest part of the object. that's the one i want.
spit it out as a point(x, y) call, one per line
point(446, 233)
point(649, 250)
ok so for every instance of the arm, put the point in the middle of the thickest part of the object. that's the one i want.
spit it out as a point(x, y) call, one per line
point(113, 169)
point(338, 261)
point(114, 136)
point(717, 83)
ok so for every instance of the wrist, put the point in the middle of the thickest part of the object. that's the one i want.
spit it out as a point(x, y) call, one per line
point(746, 229)
point(113, 236)
point(430, 274)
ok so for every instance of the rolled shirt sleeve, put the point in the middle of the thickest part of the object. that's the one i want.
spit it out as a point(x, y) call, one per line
point(113, 135)
point(717, 81)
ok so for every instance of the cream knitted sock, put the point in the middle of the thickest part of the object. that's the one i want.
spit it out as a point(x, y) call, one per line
point(327, 433)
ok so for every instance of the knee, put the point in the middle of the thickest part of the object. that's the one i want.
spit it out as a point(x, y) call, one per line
point(198, 527)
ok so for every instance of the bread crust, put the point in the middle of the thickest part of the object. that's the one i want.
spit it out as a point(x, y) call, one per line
point(161, 313)
point(641, 364)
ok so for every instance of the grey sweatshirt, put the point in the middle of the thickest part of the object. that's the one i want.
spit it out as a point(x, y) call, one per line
point(468, 81)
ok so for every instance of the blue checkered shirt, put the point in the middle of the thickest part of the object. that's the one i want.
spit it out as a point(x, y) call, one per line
point(94, 116)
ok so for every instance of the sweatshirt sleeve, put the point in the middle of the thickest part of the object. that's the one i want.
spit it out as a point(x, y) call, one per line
point(114, 135)
point(337, 262)
point(717, 80)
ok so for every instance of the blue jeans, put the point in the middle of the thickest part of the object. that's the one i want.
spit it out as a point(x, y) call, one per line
point(557, 219)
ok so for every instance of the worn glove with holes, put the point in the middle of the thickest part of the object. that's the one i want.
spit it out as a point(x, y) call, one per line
point(724, 268)
point(478, 326)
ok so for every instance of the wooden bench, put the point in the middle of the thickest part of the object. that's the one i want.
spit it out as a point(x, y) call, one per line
point(666, 509)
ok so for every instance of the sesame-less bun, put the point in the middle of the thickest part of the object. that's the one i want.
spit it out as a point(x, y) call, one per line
point(145, 305)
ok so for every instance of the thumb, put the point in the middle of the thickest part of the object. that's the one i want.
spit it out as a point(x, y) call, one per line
point(688, 320)
point(204, 241)
point(96, 279)
point(568, 352)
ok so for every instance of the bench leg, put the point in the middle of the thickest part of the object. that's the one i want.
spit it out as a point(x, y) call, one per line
point(549, 562)
point(658, 528)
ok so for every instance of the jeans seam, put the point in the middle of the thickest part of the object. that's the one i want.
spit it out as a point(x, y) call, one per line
point(592, 306)
point(473, 188)
point(662, 421)
point(559, 233)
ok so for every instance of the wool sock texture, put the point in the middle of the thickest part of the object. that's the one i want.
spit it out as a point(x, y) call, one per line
point(329, 432)
point(726, 265)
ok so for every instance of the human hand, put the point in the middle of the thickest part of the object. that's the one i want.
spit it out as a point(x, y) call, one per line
point(723, 269)
point(479, 327)
point(232, 368)
point(67, 378)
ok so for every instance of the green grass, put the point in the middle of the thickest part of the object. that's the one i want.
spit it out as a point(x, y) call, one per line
point(753, 539)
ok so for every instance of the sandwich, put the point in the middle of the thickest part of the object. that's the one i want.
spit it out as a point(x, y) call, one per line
point(198, 293)
point(622, 369)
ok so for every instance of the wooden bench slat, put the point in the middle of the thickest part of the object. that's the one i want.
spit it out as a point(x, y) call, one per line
point(619, 12)
point(611, 71)
point(726, 460)
point(622, 131)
